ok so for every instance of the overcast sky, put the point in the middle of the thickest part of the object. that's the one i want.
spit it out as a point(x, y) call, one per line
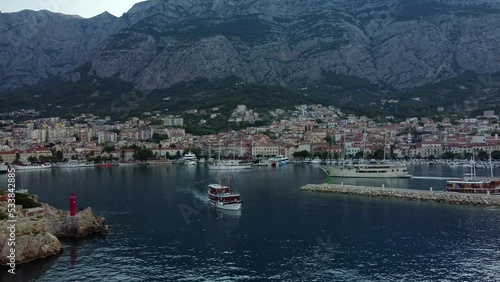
point(84, 8)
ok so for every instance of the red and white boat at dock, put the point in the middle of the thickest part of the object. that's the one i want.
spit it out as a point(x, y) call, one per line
point(474, 185)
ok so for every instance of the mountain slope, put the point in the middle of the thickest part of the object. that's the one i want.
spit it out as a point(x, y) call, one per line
point(402, 44)
point(35, 46)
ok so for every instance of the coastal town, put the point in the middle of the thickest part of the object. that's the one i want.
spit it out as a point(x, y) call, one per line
point(304, 131)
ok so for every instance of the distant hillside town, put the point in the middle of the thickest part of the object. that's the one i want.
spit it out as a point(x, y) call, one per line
point(305, 131)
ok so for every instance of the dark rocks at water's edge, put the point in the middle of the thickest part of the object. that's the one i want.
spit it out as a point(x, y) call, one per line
point(411, 194)
point(81, 225)
point(37, 236)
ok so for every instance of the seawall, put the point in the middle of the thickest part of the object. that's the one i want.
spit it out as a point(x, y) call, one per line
point(411, 194)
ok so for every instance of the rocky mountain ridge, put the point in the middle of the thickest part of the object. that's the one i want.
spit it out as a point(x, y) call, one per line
point(395, 43)
point(35, 46)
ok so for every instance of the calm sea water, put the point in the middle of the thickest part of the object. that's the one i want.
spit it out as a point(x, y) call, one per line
point(161, 229)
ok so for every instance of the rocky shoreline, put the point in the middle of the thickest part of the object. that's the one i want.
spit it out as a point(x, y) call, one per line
point(411, 194)
point(37, 237)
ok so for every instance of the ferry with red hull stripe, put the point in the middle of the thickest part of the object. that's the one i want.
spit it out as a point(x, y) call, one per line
point(473, 186)
point(221, 197)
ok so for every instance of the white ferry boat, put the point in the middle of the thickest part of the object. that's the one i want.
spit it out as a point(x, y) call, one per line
point(369, 170)
point(76, 164)
point(229, 165)
point(30, 166)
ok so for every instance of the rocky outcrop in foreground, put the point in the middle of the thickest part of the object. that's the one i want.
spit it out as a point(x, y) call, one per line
point(411, 194)
point(83, 224)
point(37, 237)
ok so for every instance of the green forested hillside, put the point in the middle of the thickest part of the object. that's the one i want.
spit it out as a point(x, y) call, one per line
point(466, 95)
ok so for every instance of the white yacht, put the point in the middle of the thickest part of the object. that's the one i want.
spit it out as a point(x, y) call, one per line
point(187, 159)
point(315, 161)
point(30, 166)
point(230, 165)
point(368, 170)
point(278, 160)
point(22, 191)
point(76, 164)
point(262, 163)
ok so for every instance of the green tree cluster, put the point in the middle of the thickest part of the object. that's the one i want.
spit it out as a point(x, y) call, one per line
point(143, 154)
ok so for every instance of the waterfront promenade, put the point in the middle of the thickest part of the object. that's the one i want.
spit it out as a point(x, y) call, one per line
point(411, 194)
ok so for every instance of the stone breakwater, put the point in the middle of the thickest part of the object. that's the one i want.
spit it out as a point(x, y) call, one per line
point(411, 194)
point(37, 237)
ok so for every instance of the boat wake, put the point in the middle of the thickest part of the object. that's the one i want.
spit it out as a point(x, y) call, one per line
point(194, 190)
point(430, 177)
point(200, 196)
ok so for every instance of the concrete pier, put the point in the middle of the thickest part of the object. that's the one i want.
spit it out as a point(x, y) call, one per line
point(411, 194)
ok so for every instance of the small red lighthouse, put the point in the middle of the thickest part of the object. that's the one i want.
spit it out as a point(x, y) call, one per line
point(72, 204)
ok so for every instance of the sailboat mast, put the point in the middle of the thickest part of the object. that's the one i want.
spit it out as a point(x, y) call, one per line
point(218, 163)
point(343, 162)
point(385, 145)
point(364, 143)
point(472, 168)
point(241, 147)
point(491, 166)
point(228, 181)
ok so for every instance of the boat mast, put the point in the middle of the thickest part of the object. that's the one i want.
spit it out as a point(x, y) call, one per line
point(343, 162)
point(385, 145)
point(227, 169)
point(472, 168)
point(228, 181)
point(218, 164)
point(241, 147)
point(364, 145)
point(491, 166)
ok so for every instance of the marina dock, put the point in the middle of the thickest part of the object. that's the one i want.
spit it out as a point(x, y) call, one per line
point(410, 194)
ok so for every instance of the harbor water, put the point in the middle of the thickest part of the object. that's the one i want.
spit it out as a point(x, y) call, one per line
point(162, 229)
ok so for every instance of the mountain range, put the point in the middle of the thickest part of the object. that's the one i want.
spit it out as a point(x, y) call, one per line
point(399, 44)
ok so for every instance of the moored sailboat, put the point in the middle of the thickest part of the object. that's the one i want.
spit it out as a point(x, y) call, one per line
point(372, 169)
point(369, 170)
point(471, 184)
